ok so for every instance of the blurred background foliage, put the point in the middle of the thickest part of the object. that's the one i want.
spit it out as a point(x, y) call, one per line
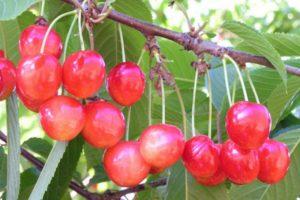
point(267, 16)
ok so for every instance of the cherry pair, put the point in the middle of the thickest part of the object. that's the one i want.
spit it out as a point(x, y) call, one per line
point(158, 147)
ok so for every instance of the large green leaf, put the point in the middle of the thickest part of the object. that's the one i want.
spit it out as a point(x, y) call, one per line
point(288, 188)
point(67, 166)
point(285, 44)
point(10, 9)
point(39, 146)
point(93, 155)
point(181, 186)
point(259, 44)
point(3, 163)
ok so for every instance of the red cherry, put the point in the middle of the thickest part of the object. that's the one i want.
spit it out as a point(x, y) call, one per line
point(7, 78)
point(274, 161)
point(83, 73)
point(218, 177)
point(125, 165)
point(248, 124)
point(155, 170)
point(241, 166)
point(126, 83)
point(39, 77)
point(32, 105)
point(2, 54)
point(200, 156)
point(161, 145)
point(62, 118)
point(105, 124)
point(31, 40)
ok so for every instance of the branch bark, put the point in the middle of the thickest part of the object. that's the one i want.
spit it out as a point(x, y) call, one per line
point(81, 190)
point(188, 42)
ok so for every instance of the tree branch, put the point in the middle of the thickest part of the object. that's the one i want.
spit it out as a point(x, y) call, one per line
point(81, 190)
point(196, 45)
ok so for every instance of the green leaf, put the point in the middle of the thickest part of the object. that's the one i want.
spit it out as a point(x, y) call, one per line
point(13, 144)
point(48, 171)
point(39, 146)
point(3, 163)
point(10, 9)
point(288, 188)
point(282, 97)
point(93, 155)
point(28, 180)
point(257, 42)
point(181, 186)
point(67, 166)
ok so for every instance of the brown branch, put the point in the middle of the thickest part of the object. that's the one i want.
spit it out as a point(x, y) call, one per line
point(81, 190)
point(196, 45)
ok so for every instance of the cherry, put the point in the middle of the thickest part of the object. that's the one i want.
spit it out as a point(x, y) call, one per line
point(200, 156)
point(31, 40)
point(32, 105)
point(126, 83)
point(241, 166)
point(274, 161)
point(218, 177)
point(39, 77)
point(83, 73)
point(7, 78)
point(2, 54)
point(62, 117)
point(248, 124)
point(125, 165)
point(105, 124)
point(161, 145)
point(155, 170)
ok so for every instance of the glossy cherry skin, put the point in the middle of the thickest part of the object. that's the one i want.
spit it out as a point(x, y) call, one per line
point(62, 118)
point(248, 124)
point(83, 73)
point(125, 165)
point(200, 156)
point(241, 166)
point(162, 145)
point(105, 124)
point(274, 161)
point(2, 54)
point(7, 78)
point(39, 77)
point(126, 83)
point(31, 40)
point(218, 177)
point(32, 105)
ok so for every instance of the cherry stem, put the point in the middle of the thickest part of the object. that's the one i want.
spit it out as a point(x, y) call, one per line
point(43, 8)
point(194, 102)
point(240, 77)
point(141, 56)
point(68, 38)
point(252, 86)
point(226, 81)
point(163, 101)
point(180, 99)
point(210, 104)
point(122, 43)
point(80, 31)
point(128, 123)
point(51, 25)
point(233, 91)
point(149, 103)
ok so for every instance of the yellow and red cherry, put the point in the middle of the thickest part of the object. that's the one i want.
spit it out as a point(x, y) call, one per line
point(218, 177)
point(126, 83)
point(241, 166)
point(83, 73)
point(32, 105)
point(31, 40)
point(105, 124)
point(39, 77)
point(274, 161)
point(125, 165)
point(7, 78)
point(201, 157)
point(62, 118)
point(248, 124)
point(161, 145)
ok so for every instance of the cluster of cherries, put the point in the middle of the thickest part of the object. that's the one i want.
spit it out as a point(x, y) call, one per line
point(248, 154)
